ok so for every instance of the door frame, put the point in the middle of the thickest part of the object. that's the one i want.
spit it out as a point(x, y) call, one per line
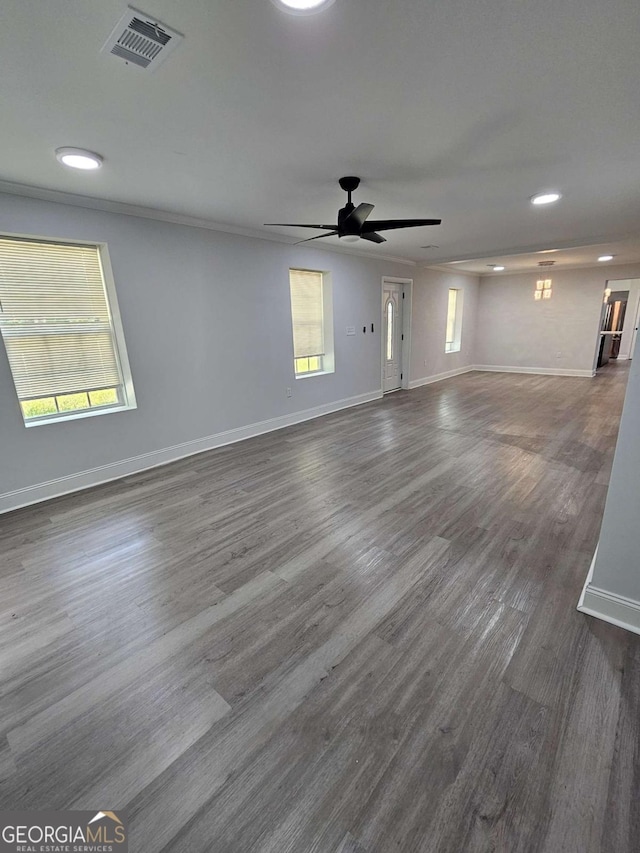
point(634, 332)
point(618, 284)
point(405, 351)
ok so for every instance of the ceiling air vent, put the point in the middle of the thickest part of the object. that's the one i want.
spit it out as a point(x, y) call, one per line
point(140, 40)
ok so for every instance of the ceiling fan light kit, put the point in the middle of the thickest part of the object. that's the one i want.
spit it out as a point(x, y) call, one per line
point(352, 221)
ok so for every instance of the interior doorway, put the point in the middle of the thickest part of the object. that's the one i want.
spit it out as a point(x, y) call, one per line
point(618, 321)
point(614, 311)
point(396, 318)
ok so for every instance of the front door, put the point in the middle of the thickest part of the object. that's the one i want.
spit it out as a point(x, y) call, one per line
point(392, 336)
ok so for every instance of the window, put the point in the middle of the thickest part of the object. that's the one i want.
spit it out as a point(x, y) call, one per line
point(453, 339)
point(389, 330)
point(61, 329)
point(311, 314)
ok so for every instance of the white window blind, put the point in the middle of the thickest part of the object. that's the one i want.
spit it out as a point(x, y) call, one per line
point(55, 319)
point(307, 313)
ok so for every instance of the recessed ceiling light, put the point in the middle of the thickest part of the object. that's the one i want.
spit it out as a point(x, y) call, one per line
point(545, 198)
point(496, 267)
point(78, 158)
point(302, 7)
point(605, 258)
point(546, 251)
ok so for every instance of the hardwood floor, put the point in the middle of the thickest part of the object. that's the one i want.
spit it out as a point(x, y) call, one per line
point(356, 635)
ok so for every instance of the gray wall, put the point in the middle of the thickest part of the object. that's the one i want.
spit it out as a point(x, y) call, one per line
point(556, 334)
point(617, 566)
point(207, 324)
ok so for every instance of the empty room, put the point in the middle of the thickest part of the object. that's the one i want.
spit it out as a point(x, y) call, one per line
point(319, 417)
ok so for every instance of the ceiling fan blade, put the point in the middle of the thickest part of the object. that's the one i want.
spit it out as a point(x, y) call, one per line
point(318, 237)
point(359, 214)
point(388, 224)
point(298, 225)
point(373, 237)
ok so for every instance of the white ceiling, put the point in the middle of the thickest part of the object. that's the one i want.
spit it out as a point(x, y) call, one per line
point(459, 109)
point(624, 252)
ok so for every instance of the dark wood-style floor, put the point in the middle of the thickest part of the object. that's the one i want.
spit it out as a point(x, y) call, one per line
point(356, 635)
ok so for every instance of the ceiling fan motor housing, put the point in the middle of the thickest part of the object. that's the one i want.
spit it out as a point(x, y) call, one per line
point(347, 226)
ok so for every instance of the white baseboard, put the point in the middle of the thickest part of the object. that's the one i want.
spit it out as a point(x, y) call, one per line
point(616, 609)
point(499, 368)
point(588, 580)
point(114, 471)
point(438, 377)
point(105, 473)
point(540, 371)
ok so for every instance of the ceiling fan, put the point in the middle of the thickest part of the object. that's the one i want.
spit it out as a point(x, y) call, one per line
point(352, 220)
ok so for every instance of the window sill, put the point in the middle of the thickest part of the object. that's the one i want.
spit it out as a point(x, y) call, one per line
point(315, 373)
point(75, 416)
point(452, 351)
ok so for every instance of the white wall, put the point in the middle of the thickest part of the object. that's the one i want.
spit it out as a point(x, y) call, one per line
point(207, 324)
point(555, 335)
point(613, 592)
point(428, 327)
point(206, 318)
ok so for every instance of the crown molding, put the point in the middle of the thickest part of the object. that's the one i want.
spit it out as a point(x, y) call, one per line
point(140, 211)
point(127, 209)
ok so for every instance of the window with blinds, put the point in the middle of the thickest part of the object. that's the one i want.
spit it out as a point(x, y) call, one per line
point(58, 330)
point(307, 315)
